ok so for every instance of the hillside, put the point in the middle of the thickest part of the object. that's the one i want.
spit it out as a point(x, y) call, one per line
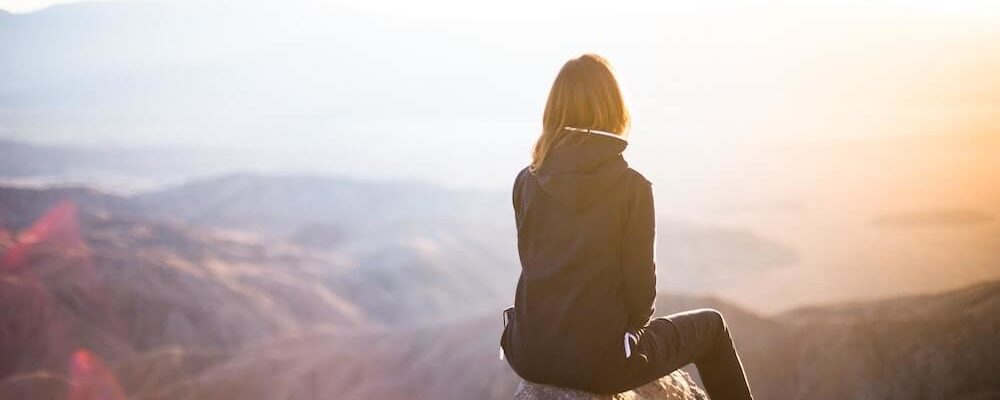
point(281, 205)
point(201, 312)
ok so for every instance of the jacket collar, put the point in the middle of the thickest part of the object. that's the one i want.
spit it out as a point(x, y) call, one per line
point(583, 152)
point(581, 170)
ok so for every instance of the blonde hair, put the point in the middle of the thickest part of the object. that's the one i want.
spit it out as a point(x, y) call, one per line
point(584, 95)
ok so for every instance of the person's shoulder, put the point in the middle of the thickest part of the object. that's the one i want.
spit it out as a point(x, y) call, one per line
point(524, 172)
point(638, 189)
point(519, 178)
point(638, 178)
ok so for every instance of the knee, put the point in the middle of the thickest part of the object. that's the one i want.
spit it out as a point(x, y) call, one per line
point(713, 315)
point(717, 320)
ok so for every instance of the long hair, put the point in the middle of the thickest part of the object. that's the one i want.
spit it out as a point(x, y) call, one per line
point(585, 95)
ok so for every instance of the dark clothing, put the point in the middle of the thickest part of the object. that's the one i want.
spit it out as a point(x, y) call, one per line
point(699, 336)
point(585, 237)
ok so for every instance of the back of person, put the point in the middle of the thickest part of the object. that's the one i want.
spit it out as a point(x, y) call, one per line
point(570, 306)
point(585, 235)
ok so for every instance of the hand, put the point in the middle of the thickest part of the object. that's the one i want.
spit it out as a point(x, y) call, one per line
point(631, 339)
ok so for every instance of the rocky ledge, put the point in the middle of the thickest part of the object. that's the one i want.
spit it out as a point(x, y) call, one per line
point(676, 386)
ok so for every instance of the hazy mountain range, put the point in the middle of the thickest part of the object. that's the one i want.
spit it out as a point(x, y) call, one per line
point(399, 222)
point(182, 305)
point(832, 245)
point(124, 170)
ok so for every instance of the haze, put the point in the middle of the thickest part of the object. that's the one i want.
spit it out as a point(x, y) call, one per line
point(802, 123)
point(456, 91)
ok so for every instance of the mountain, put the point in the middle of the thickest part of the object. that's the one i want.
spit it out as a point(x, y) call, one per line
point(122, 169)
point(416, 250)
point(389, 220)
point(798, 358)
point(122, 286)
point(281, 205)
point(181, 309)
point(836, 246)
point(20, 207)
point(932, 346)
point(937, 346)
point(399, 271)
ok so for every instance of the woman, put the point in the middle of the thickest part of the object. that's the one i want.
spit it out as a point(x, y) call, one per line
point(585, 237)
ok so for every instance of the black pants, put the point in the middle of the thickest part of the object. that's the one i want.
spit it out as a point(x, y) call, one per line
point(697, 336)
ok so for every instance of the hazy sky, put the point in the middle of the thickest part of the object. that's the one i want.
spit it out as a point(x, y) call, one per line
point(960, 8)
point(414, 88)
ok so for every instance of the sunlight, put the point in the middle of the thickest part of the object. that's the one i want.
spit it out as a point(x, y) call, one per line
point(260, 199)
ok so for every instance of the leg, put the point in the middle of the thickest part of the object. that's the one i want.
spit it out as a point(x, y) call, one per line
point(700, 337)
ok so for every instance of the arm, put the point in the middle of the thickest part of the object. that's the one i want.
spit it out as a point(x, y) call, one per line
point(516, 196)
point(637, 257)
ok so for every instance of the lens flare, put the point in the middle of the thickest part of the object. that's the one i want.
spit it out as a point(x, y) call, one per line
point(90, 378)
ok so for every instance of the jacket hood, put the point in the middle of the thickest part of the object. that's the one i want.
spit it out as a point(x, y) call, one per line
point(580, 172)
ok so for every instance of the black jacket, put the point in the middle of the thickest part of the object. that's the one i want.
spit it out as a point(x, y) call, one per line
point(585, 236)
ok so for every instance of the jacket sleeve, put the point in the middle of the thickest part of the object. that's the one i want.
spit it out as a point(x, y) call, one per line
point(637, 257)
point(516, 193)
point(516, 196)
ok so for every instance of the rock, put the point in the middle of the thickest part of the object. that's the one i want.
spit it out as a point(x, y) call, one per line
point(676, 386)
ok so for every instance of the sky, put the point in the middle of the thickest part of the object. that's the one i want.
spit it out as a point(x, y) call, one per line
point(356, 87)
point(959, 8)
